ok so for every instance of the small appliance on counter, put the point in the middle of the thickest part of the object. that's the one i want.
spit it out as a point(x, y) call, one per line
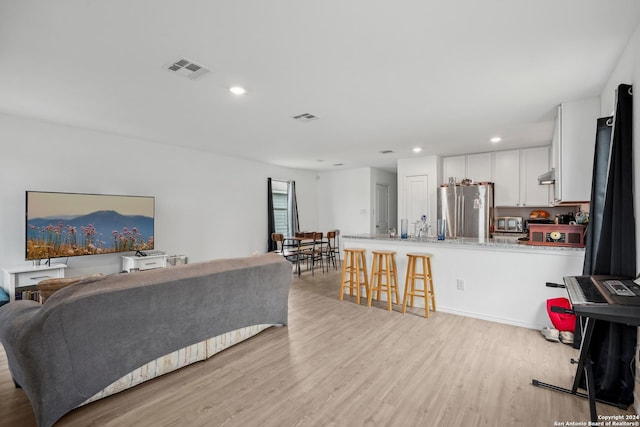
point(537, 216)
point(509, 224)
point(556, 235)
point(509, 228)
point(530, 221)
point(568, 218)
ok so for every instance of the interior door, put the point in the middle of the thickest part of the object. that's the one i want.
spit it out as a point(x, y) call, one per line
point(382, 208)
point(416, 197)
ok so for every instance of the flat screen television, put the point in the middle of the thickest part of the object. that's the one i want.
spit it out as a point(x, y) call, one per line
point(73, 224)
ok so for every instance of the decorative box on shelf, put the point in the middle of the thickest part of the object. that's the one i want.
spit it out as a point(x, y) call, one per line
point(146, 262)
point(556, 235)
point(24, 278)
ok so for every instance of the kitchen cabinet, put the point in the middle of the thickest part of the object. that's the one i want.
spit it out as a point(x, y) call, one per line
point(506, 178)
point(454, 167)
point(516, 177)
point(533, 163)
point(477, 167)
point(513, 172)
point(480, 167)
point(573, 148)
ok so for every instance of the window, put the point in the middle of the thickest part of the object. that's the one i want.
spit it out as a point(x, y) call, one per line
point(280, 191)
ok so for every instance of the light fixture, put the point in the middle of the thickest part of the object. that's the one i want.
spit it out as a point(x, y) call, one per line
point(237, 90)
point(304, 117)
point(495, 139)
point(187, 68)
point(417, 149)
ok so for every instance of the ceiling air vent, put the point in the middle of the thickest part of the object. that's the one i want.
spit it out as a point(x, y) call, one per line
point(304, 117)
point(187, 68)
point(386, 151)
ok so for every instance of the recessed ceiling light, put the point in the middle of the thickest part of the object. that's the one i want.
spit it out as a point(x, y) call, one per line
point(237, 90)
point(495, 139)
point(417, 149)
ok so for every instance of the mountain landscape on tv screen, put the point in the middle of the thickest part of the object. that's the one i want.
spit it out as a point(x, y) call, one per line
point(94, 233)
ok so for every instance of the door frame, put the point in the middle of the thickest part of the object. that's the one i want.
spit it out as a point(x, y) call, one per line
point(376, 215)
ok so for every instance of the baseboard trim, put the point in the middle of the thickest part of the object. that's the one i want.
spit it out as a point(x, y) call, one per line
point(490, 318)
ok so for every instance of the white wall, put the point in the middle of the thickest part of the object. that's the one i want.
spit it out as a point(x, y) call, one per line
point(344, 201)
point(627, 71)
point(207, 206)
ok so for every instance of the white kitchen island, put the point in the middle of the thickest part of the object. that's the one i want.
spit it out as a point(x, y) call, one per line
point(493, 279)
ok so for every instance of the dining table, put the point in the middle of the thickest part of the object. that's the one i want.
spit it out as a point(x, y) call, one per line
point(295, 245)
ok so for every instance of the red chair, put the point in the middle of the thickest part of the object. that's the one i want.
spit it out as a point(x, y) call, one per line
point(561, 321)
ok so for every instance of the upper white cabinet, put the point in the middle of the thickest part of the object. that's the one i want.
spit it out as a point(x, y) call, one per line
point(573, 148)
point(533, 163)
point(477, 167)
point(480, 167)
point(454, 167)
point(506, 178)
point(513, 172)
point(516, 177)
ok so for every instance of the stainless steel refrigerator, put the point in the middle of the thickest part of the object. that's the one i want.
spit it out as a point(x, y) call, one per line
point(467, 209)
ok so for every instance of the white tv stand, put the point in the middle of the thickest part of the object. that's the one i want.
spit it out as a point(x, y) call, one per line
point(139, 263)
point(16, 278)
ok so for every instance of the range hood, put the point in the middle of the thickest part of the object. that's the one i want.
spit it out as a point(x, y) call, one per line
point(547, 178)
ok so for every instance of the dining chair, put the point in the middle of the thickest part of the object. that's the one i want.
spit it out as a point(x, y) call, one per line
point(329, 251)
point(335, 245)
point(314, 251)
point(289, 252)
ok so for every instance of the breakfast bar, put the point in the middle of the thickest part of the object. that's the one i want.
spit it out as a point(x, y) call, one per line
point(492, 279)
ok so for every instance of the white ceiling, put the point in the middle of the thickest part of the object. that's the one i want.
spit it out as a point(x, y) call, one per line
point(379, 74)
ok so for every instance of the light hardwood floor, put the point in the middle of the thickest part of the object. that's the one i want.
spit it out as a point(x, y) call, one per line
point(343, 364)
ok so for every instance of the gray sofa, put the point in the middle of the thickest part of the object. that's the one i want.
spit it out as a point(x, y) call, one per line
point(93, 333)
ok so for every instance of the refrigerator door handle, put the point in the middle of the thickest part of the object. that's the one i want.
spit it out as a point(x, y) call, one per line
point(456, 224)
point(461, 217)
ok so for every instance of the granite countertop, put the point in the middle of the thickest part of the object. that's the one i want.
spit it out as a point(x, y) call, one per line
point(496, 242)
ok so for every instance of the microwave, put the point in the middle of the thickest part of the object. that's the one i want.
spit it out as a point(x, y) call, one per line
point(509, 224)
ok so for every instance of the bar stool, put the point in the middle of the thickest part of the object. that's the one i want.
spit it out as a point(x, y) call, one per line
point(384, 265)
point(427, 278)
point(355, 265)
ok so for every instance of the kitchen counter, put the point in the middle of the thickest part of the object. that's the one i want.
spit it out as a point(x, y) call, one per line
point(503, 243)
point(491, 279)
